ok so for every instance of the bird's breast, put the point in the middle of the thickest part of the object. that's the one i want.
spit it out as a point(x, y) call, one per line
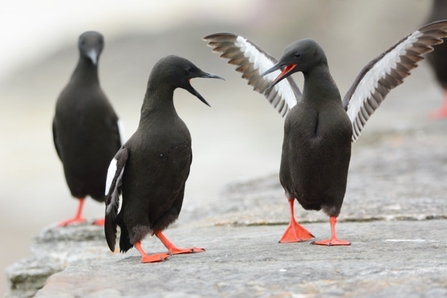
point(307, 123)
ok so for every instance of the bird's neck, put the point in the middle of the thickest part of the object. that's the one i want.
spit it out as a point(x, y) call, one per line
point(86, 72)
point(159, 103)
point(319, 82)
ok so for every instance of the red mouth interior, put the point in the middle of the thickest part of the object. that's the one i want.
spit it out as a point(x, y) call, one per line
point(286, 70)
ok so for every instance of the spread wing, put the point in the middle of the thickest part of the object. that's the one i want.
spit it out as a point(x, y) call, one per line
point(387, 71)
point(113, 185)
point(252, 61)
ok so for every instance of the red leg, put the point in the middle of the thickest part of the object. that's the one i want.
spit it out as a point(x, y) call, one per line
point(294, 232)
point(333, 241)
point(145, 258)
point(77, 218)
point(173, 249)
point(442, 111)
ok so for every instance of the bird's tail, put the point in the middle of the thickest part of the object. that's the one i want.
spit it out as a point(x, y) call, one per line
point(110, 228)
point(125, 244)
point(111, 217)
point(111, 221)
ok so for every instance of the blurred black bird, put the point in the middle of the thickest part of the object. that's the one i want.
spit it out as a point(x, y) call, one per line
point(320, 126)
point(151, 168)
point(438, 58)
point(85, 128)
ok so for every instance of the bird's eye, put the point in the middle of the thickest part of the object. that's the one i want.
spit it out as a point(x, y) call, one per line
point(297, 55)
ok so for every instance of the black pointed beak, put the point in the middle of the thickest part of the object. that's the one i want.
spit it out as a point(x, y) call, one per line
point(210, 76)
point(275, 67)
point(206, 75)
point(286, 71)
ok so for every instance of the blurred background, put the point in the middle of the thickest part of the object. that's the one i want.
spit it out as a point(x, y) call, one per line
point(239, 137)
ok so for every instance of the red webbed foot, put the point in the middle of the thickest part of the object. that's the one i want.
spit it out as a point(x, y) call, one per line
point(441, 112)
point(177, 251)
point(98, 222)
point(77, 218)
point(173, 249)
point(153, 258)
point(333, 241)
point(294, 232)
point(71, 221)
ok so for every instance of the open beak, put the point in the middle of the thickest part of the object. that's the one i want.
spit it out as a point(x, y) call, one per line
point(287, 71)
point(194, 92)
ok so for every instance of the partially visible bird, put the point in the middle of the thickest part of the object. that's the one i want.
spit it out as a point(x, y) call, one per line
point(86, 130)
point(438, 58)
point(151, 168)
point(320, 126)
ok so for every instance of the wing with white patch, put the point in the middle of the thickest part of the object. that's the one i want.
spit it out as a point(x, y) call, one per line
point(252, 61)
point(113, 188)
point(387, 71)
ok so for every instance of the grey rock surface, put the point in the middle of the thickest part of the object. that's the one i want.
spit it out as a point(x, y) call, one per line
point(239, 137)
point(386, 259)
point(395, 215)
point(52, 251)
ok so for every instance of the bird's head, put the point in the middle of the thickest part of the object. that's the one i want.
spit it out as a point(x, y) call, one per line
point(90, 45)
point(300, 55)
point(178, 72)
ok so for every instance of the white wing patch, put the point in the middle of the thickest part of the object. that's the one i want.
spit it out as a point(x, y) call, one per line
point(262, 63)
point(369, 82)
point(111, 174)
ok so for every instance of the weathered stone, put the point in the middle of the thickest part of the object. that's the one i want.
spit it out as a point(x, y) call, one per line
point(386, 259)
point(52, 251)
point(28, 275)
point(394, 214)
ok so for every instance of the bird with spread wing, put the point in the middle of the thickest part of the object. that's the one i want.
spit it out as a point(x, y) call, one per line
point(320, 125)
